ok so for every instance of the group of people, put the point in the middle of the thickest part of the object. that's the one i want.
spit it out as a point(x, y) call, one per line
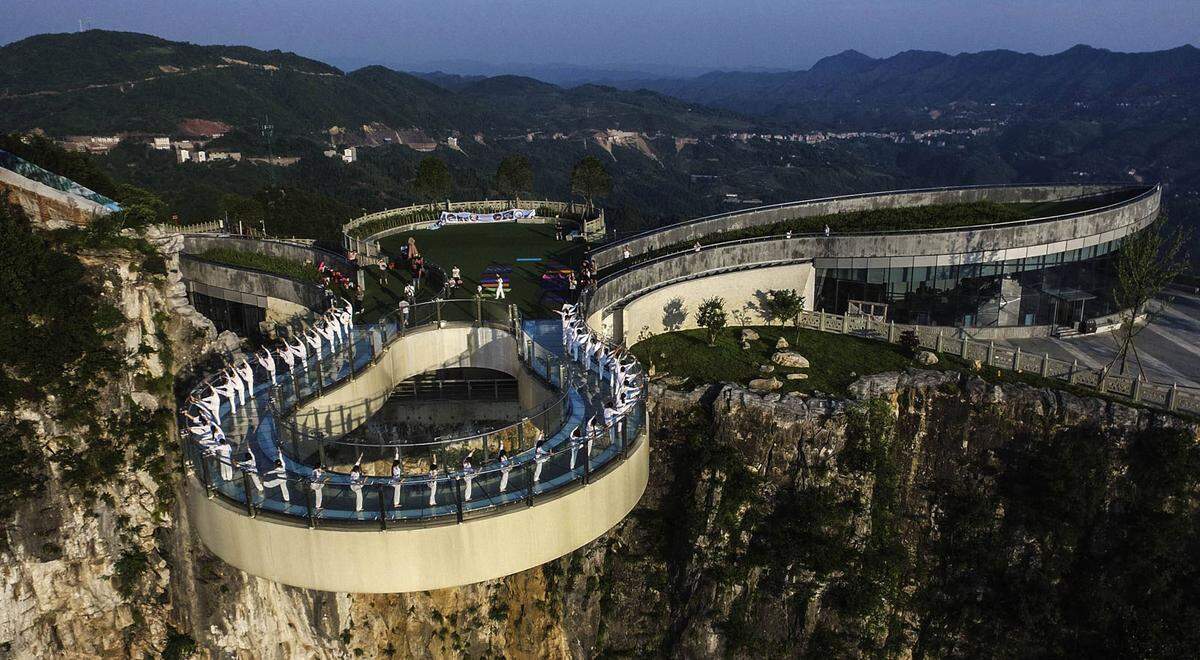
point(234, 385)
point(612, 365)
point(332, 279)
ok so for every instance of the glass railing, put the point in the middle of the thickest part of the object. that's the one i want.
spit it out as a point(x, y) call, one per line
point(420, 493)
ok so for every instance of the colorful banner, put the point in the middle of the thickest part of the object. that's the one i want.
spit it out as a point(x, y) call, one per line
point(464, 217)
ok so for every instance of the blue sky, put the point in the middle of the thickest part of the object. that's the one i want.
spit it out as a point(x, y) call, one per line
point(635, 34)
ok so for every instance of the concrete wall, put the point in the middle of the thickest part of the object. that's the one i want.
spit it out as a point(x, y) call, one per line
point(960, 241)
point(272, 292)
point(514, 539)
point(673, 307)
point(900, 250)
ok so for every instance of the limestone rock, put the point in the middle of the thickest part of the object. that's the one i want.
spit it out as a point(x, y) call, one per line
point(976, 365)
point(745, 345)
point(765, 384)
point(145, 400)
point(767, 368)
point(927, 358)
point(749, 335)
point(797, 376)
point(781, 344)
point(790, 359)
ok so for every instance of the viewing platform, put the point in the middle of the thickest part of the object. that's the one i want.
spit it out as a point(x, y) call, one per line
point(425, 529)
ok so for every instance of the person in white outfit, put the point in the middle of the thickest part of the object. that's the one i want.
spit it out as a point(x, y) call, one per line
point(247, 373)
point(287, 356)
point(235, 377)
point(540, 456)
point(317, 483)
point(278, 475)
point(230, 391)
point(468, 475)
point(267, 362)
point(505, 468)
point(610, 420)
point(576, 443)
point(314, 340)
point(326, 330)
point(300, 352)
point(499, 288)
point(396, 481)
point(251, 467)
point(433, 484)
point(213, 402)
point(356, 484)
point(224, 454)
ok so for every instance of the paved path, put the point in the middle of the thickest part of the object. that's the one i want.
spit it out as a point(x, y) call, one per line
point(1169, 347)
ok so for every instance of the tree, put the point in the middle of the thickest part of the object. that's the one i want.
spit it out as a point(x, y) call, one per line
point(784, 305)
point(514, 176)
point(433, 180)
point(1147, 262)
point(711, 317)
point(590, 180)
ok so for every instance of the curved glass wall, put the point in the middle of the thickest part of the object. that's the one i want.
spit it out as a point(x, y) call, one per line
point(1066, 288)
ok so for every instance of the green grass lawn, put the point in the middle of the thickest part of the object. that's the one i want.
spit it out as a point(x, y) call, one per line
point(474, 247)
point(836, 360)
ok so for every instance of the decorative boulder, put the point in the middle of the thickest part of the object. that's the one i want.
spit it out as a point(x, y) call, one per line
point(781, 344)
point(749, 335)
point(790, 359)
point(797, 376)
point(745, 345)
point(927, 358)
point(765, 384)
point(767, 368)
point(976, 365)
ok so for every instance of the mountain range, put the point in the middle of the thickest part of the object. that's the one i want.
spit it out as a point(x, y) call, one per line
point(914, 78)
point(105, 82)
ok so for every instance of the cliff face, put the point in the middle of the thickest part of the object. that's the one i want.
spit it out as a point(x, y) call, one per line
point(931, 514)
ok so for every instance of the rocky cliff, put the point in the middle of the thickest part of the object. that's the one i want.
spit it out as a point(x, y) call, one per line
point(931, 514)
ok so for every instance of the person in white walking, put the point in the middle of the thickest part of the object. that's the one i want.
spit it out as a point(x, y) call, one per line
point(278, 475)
point(224, 454)
point(540, 456)
point(499, 287)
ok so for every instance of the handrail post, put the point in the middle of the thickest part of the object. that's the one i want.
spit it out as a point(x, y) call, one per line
point(458, 502)
point(1136, 391)
point(892, 333)
point(479, 310)
point(1102, 380)
point(437, 304)
point(1173, 396)
point(821, 323)
point(382, 507)
point(321, 449)
point(1017, 360)
point(991, 352)
point(846, 324)
point(528, 484)
point(485, 447)
point(246, 489)
point(937, 343)
point(1071, 373)
point(308, 502)
point(587, 461)
point(521, 433)
point(1045, 364)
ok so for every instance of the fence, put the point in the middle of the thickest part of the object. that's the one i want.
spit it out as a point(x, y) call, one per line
point(1171, 397)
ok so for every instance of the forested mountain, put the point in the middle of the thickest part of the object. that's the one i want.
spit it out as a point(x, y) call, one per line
point(104, 82)
point(836, 84)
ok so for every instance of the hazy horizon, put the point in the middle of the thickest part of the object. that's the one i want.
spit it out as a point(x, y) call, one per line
point(673, 35)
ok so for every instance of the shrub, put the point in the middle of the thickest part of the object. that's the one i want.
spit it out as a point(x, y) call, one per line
point(711, 316)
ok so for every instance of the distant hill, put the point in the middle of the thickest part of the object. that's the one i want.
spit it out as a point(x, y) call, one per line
point(1081, 74)
point(104, 82)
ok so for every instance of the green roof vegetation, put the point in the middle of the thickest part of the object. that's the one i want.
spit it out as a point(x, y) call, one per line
point(296, 270)
point(934, 216)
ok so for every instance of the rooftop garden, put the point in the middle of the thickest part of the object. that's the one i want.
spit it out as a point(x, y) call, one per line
point(935, 216)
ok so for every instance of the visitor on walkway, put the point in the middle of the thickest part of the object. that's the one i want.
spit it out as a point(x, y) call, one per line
point(224, 454)
point(356, 483)
point(625, 254)
point(383, 269)
point(267, 361)
point(314, 340)
point(456, 279)
point(696, 247)
point(576, 443)
point(410, 292)
point(247, 373)
point(610, 420)
point(250, 466)
point(433, 484)
point(505, 468)
point(468, 475)
point(499, 287)
point(826, 231)
point(317, 482)
point(540, 456)
point(278, 476)
point(396, 481)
